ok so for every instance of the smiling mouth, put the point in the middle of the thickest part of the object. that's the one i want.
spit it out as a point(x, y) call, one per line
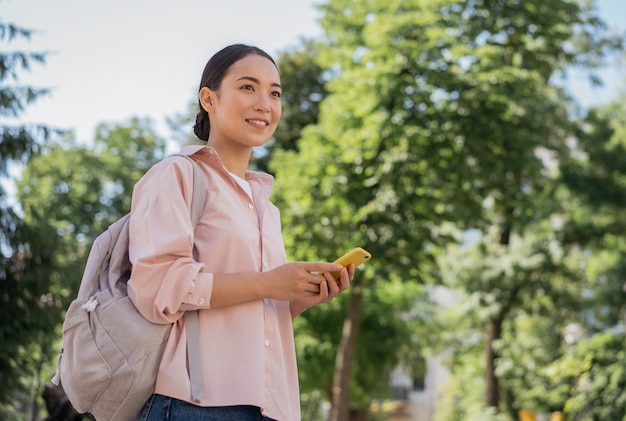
point(259, 122)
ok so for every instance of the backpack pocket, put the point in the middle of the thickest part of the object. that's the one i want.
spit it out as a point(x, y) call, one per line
point(84, 372)
point(111, 358)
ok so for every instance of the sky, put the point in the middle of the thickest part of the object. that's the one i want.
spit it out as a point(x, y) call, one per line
point(112, 60)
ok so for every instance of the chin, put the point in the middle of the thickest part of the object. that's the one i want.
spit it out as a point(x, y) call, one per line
point(254, 144)
point(258, 142)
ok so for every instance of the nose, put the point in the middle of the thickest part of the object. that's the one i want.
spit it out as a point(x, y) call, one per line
point(263, 105)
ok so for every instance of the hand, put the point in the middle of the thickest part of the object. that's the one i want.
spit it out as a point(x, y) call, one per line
point(289, 282)
point(298, 280)
point(329, 288)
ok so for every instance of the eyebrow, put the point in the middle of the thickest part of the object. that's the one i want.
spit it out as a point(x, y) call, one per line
point(257, 81)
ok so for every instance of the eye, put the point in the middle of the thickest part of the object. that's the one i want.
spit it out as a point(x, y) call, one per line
point(277, 94)
point(248, 87)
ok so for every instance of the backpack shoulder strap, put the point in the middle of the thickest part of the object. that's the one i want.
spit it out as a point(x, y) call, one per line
point(198, 198)
point(198, 202)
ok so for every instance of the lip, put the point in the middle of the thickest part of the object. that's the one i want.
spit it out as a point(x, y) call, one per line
point(258, 122)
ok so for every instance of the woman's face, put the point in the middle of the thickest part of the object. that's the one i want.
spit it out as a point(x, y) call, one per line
point(246, 107)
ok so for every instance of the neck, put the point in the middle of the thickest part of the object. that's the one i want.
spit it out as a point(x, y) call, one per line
point(235, 158)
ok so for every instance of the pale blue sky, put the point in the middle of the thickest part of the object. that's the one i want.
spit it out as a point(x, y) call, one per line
point(115, 59)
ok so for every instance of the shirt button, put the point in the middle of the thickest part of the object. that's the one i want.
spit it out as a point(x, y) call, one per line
point(201, 301)
point(267, 343)
point(266, 301)
point(250, 206)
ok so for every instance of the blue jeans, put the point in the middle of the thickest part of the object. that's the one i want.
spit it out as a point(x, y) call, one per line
point(162, 408)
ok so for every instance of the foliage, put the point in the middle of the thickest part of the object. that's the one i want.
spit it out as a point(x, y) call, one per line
point(587, 381)
point(583, 286)
point(19, 141)
point(69, 194)
point(79, 190)
point(390, 330)
point(597, 378)
point(352, 181)
point(304, 89)
point(462, 394)
point(437, 135)
point(595, 177)
point(443, 116)
point(181, 125)
point(538, 343)
point(595, 174)
point(23, 283)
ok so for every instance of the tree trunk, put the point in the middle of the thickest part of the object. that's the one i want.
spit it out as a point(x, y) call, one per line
point(494, 331)
point(34, 407)
point(340, 409)
point(358, 414)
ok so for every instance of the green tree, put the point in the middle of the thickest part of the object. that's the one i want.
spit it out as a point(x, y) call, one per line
point(69, 194)
point(587, 381)
point(360, 175)
point(582, 288)
point(595, 175)
point(595, 369)
point(19, 141)
point(582, 282)
point(440, 114)
point(304, 88)
point(22, 291)
point(518, 116)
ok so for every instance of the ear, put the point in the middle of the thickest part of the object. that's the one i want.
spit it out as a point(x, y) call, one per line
point(207, 98)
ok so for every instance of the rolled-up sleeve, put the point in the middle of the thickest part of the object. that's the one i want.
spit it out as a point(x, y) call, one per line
point(165, 279)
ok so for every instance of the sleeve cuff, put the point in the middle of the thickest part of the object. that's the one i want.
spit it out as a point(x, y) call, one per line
point(200, 295)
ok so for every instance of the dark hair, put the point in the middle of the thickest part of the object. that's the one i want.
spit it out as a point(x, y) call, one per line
point(213, 74)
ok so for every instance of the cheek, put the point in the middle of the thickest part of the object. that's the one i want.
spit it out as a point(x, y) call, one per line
point(278, 111)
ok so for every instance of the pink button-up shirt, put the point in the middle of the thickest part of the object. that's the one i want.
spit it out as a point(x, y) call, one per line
point(248, 352)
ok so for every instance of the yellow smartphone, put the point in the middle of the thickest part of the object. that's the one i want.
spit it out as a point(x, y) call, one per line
point(356, 256)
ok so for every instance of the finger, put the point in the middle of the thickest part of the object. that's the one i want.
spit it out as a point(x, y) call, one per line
point(351, 270)
point(316, 278)
point(314, 287)
point(317, 267)
point(324, 290)
point(333, 284)
point(344, 278)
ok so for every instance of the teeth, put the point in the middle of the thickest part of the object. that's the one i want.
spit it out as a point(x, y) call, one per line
point(264, 123)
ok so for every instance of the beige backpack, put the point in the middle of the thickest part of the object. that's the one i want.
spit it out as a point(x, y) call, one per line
point(110, 353)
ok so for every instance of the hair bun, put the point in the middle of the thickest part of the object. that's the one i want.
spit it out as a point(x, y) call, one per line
point(202, 126)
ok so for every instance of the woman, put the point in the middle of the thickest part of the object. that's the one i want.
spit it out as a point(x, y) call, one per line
point(246, 292)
